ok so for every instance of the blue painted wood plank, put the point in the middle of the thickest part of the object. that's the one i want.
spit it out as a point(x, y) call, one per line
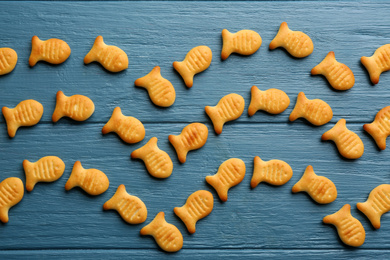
point(263, 222)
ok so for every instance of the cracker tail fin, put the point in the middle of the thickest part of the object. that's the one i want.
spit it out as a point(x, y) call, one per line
point(376, 134)
point(257, 177)
point(91, 56)
point(177, 144)
point(30, 178)
point(4, 214)
point(366, 209)
point(140, 152)
point(254, 105)
point(182, 213)
point(333, 218)
point(152, 226)
point(187, 76)
point(275, 43)
point(12, 127)
point(227, 47)
point(73, 179)
point(333, 132)
point(110, 204)
point(319, 69)
point(35, 55)
point(372, 68)
point(222, 190)
point(298, 109)
point(58, 111)
point(154, 73)
point(109, 126)
point(213, 114)
point(300, 185)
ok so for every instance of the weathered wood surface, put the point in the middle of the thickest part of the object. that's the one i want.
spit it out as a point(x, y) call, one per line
point(267, 221)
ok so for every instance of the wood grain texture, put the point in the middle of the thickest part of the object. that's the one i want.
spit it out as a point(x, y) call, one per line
point(266, 222)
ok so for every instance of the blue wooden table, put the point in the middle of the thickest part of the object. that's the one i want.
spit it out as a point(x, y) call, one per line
point(266, 222)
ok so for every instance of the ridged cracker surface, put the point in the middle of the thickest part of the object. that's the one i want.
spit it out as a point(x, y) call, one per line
point(54, 51)
point(379, 62)
point(275, 172)
point(76, 107)
point(244, 42)
point(273, 101)
point(11, 193)
point(380, 128)
point(8, 60)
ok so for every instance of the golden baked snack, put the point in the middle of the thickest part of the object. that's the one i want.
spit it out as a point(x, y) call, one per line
point(157, 162)
point(130, 208)
point(54, 51)
point(160, 90)
point(92, 181)
point(339, 75)
point(321, 189)
point(377, 204)
point(76, 107)
point(229, 108)
point(192, 137)
point(197, 60)
point(273, 101)
point(110, 57)
point(128, 128)
point(316, 111)
point(198, 205)
point(275, 172)
point(27, 113)
point(230, 173)
point(167, 236)
point(298, 44)
point(245, 42)
point(379, 62)
point(348, 143)
point(11, 193)
point(350, 230)
point(8, 60)
point(46, 169)
point(380, 128)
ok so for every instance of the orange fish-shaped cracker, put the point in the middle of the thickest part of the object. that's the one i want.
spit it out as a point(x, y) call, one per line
point(350, 230)
point(192, 137)
point(377, 204)
point(11, 193)
point(161, 91)
point(339, 75)
point(110, 57)
point(245, 42)
point(316, 111)
point(76, 107)
point(167, 236)
point(320, 188)
point(8, 60)
point(157, 162)
point(273, 101)
point(27, 113)
point(275, 172)
point(92, 181)
point(131, 208)
point(128, 128)
point(377, 63)
point(198, 205)
point(230, 173)
point(298, 44)
point(54, 51)
point(348, 143)
point(380, 128)
point(197, 60)
point(229, 108)
point(46, 169)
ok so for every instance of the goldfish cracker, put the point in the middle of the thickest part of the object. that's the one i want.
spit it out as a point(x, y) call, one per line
point(377, 63)
point(27, 113)
point(54, 51)
point(130, 208)
point(110, 57)
point(197, 60)
point(8, 60)
point(161, 91)
point(229, 108)
point(192, 137)
point(273, 101)
point(46, 169)
point(380, 128)
point(76, 107)
point(350, 230)
point(128, 128)
point(245, 42)
point(11, 193)
point(321, 189)
point(92, 181)
point(298, 44)
point(377, 204)
point(198, 205)
point(230, 173)
point(316, 111)
point(167, 236)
